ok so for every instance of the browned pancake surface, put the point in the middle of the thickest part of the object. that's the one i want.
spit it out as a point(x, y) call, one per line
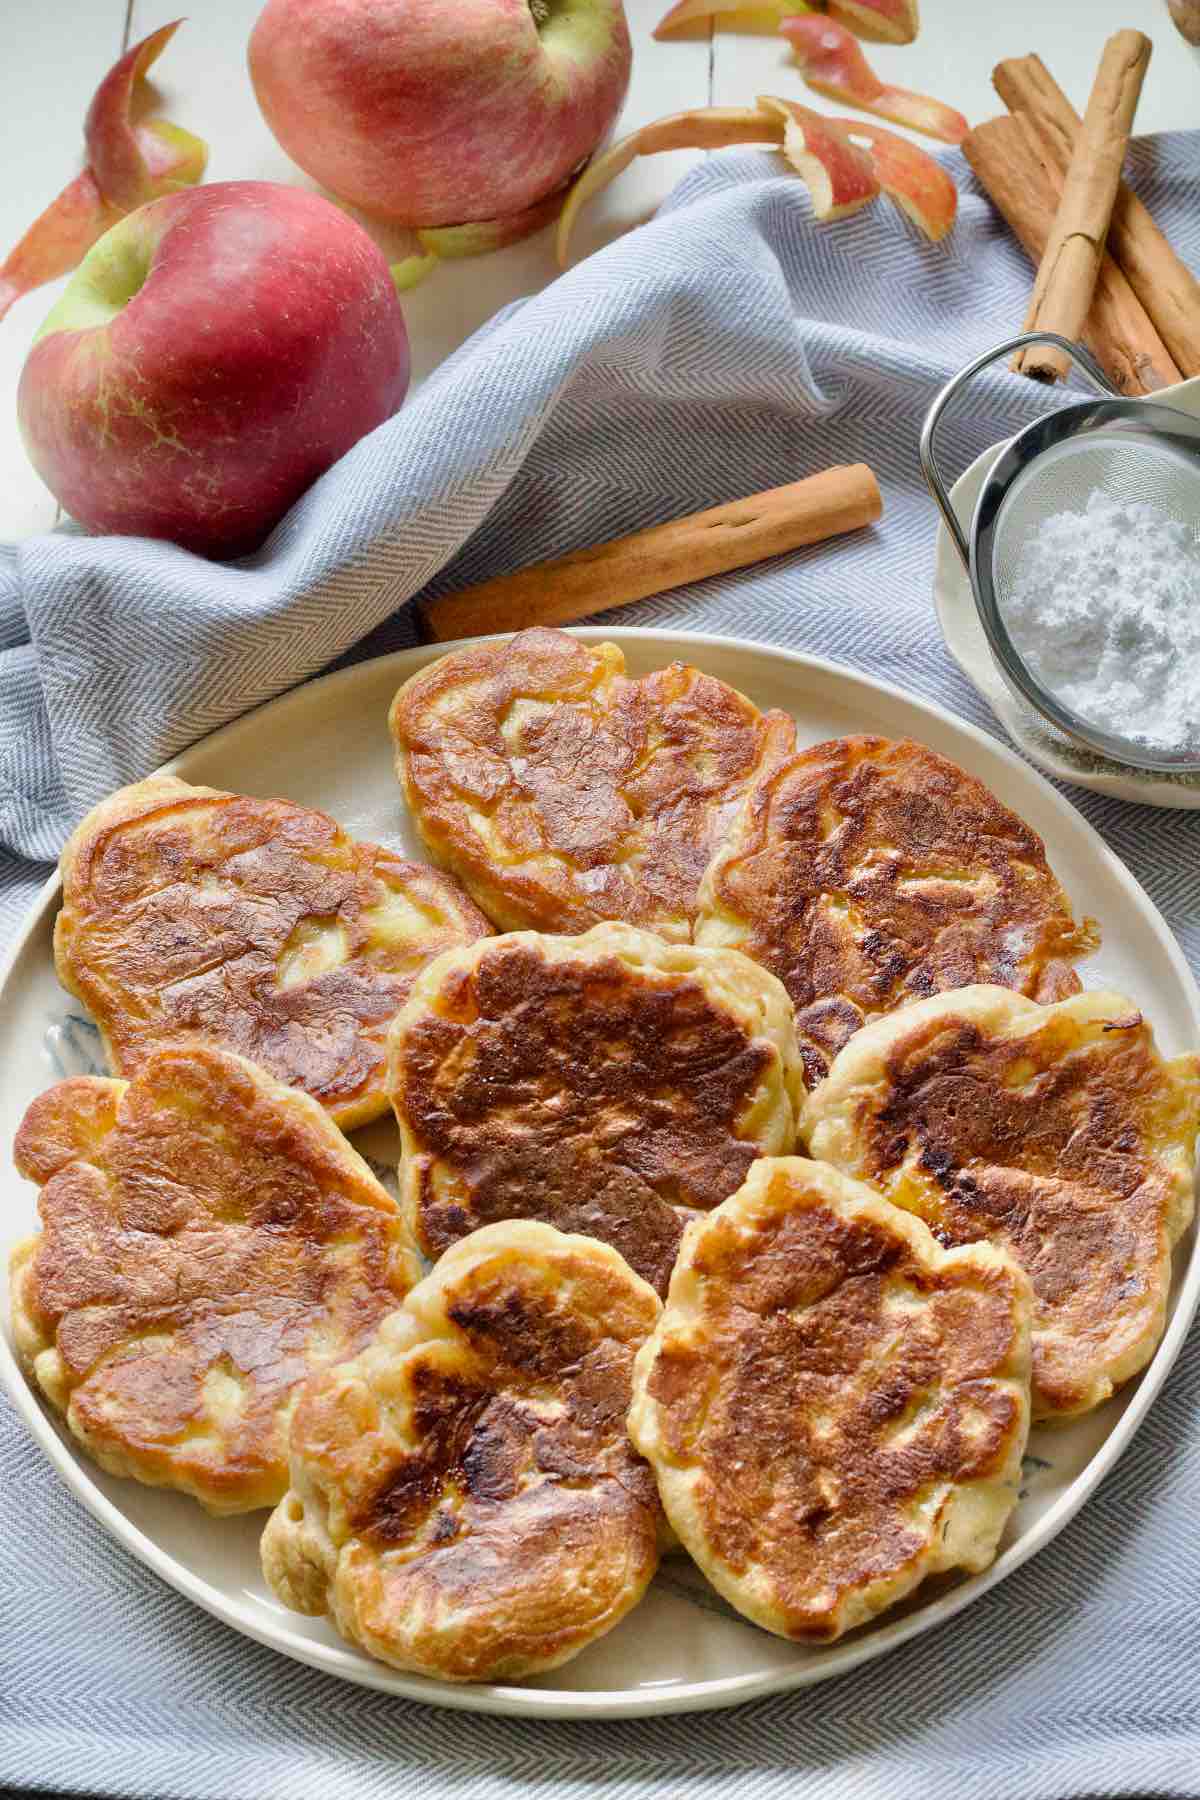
point(207, 1239)
point(572, 1080)
point(824, 1384)
point(564, 793)
point(254, 925)
point(1057, 1133)
point(867, 872)
point(465, 1499)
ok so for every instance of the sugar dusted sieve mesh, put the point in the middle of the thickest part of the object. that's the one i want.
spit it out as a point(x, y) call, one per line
point(1126, 449)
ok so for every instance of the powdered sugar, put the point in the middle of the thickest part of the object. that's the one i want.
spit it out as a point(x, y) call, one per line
point(1104, 607)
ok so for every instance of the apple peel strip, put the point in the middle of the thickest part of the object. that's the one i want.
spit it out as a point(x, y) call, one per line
point(127, 165)
point(832, 63)
point(839, 176)
point(845, 163)
point(695, 12)
point(911, 178)
point(434, 244)
point(704, 128)
point(881, 21)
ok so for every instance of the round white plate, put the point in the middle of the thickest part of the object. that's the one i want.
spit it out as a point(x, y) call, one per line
point(327, 745)
point(967, 644)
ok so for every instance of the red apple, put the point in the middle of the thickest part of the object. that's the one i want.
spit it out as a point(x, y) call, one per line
point(213, 354)
point(435, 113)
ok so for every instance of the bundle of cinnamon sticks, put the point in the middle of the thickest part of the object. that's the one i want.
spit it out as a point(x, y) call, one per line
point(1106, 272)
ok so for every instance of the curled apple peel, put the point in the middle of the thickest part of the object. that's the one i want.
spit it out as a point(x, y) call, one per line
point(883, 21)
point(832, 63)
point(408, 271)
point(704, 128)
point(127, 165)
point(57, 241)
point(690, 12)
point(838, 175)
point(845, 163)
point(115, 153)
point(482, 236)
point(909, 176)
point(429, 245)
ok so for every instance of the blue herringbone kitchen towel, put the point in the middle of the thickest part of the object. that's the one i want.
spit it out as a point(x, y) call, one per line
point(726, 347)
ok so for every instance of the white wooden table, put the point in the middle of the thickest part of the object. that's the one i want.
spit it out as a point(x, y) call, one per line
point(53, 54)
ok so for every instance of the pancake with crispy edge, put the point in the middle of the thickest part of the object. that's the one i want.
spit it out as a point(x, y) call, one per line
point(867, 872)
point(465, 1501)
point(834, 1407)
point(563, 793)
point(1056, 1132)
point(208, 1238)
point(608, 1084)
point(193, 915)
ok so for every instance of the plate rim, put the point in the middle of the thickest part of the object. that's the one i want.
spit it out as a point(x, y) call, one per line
point(551, 1703)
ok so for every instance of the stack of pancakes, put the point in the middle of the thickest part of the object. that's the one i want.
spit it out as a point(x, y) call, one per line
point(616, 1309)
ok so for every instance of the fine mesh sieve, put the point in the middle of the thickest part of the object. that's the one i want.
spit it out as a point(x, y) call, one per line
point(1126, 449)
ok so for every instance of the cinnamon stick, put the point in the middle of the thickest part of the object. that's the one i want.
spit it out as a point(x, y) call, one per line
point(1166, 287)
point(1066, 279)
point(1009, 161)
point(662, 557)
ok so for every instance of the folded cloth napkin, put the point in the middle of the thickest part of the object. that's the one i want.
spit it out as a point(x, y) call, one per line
point(728, 346)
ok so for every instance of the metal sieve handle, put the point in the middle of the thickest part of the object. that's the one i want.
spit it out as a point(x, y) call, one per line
point(1079, 356)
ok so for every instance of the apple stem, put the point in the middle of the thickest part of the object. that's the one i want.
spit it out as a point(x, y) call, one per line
point(540, 10)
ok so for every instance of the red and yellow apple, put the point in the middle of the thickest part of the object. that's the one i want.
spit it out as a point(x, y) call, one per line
point(213, 354)
point(442, 113)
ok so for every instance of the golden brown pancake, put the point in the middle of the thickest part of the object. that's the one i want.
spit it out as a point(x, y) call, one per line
point(208, 1238)
point(1056, 1132)
point(563, 793)
point(599, 1083)
point(465, 1501)
point(834, 1407)
point(191, 915)
point(868, 872)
